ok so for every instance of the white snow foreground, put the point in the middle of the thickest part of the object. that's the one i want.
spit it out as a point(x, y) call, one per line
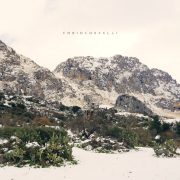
point(134, 165)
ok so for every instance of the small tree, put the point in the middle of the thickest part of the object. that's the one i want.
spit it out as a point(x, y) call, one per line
point(155, 125)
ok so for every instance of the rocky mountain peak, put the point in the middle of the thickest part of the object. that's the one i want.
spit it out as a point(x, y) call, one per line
point(92, 63)
point(5, 49)
point(125, 59)
point(21, 75)
point(2, 45)
point(104, 79)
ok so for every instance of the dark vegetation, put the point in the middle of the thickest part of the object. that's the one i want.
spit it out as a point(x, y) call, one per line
point(131, 130)
point(30, 125)
point(34, 146)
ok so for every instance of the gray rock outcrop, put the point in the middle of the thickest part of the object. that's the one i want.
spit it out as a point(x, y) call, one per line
point(131, 104)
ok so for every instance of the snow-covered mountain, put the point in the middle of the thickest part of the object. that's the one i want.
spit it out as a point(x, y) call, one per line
point(102, 80)
point(82, 80)
point(21, 75)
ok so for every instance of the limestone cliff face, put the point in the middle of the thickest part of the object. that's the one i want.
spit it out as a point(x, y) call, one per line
point(21, 75)
point(104, 79)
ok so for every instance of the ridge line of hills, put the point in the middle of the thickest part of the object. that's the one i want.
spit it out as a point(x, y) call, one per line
point(85, 80)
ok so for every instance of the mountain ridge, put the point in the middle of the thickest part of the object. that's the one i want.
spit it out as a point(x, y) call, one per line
point(119, 75)
point(20, 74)
point(85, 79)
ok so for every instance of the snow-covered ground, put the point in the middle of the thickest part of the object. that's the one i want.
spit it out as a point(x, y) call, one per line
point(172, 120)
point(134, 165)
point(131, 114)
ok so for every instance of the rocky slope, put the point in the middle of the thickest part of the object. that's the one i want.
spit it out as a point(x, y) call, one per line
point(20, 75)
point(131, 104)
point(102, 80)
point(83, 80)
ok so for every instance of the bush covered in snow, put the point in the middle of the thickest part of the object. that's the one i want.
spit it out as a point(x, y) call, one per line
point(166, 149)
point(34, 146)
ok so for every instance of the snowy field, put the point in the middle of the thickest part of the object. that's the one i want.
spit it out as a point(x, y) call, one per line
point(134, 165)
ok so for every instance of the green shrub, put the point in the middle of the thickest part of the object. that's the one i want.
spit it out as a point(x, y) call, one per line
point(129, 138)
point(15, 156)
point(165, 127)
point(1, 96)
point(145, 137)
point(116, 132)
point(178, 128)
point(35, 146)
point(167, 149)
point(55, 153)
point(26, 134)
point(155, 125)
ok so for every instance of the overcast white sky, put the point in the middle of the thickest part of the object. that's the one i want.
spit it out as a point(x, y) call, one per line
point(147, 29)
